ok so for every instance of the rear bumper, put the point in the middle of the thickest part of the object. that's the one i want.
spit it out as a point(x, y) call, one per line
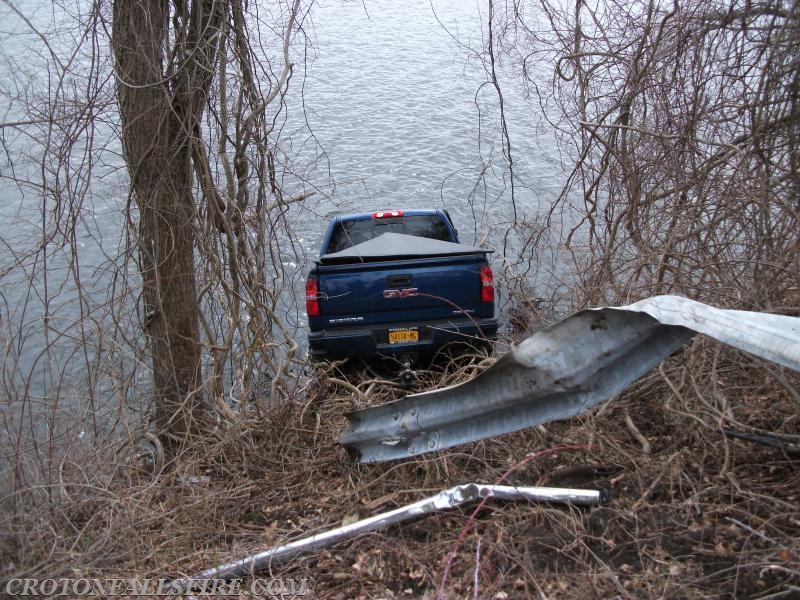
point(373, 341)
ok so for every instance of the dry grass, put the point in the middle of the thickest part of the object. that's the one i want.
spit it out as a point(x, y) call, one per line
point(693, 514)
point(685, 182)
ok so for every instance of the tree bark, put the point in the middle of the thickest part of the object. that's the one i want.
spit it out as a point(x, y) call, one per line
point(164, 63)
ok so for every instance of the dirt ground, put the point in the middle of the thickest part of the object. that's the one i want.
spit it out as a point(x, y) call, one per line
point(692, 514)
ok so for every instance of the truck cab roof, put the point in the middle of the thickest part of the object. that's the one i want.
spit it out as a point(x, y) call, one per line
point(346, 231)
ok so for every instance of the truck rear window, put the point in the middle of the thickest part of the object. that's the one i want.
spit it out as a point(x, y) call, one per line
point(349, 233)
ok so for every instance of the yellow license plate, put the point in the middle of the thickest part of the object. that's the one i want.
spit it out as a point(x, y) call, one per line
point(403, 336)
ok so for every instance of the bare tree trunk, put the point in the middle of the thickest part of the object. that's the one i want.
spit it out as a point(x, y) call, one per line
point(164, 63)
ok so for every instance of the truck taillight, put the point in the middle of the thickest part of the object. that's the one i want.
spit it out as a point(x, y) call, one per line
point(383, 214)
point(487, 284)
point(312, 297)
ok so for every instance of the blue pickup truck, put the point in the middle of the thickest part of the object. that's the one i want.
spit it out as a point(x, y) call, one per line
point(397, 283)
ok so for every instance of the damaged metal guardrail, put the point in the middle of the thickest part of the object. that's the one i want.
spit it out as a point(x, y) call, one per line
point(449, 498)
point(561, 372)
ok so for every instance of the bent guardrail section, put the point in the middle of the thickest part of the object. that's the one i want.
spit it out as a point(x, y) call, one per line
point(561, 372)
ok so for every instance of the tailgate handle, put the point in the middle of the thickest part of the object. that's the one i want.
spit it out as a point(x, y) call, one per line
point(398, 280)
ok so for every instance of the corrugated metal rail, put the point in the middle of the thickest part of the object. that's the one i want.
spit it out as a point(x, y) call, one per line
point(561, 372)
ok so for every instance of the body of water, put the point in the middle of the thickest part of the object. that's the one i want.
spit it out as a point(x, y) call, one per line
point(393, 109)
point(399, 99)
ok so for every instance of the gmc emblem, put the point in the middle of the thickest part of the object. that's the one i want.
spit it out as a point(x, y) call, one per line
point(401, 293)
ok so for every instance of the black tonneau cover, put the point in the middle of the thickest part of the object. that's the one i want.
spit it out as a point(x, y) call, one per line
point(398, 245)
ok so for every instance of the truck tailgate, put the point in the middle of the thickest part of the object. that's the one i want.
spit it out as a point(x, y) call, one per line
point(400, 291)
